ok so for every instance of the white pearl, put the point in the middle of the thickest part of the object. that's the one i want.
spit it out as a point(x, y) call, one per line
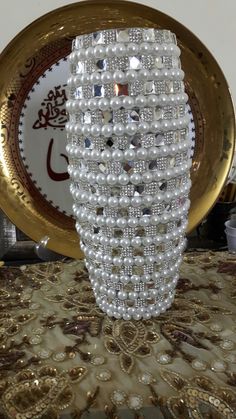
point(106, 77)
point(95, 130)
point(123, 179)
point(118, 76)
point(121, 222)
point(139, 260)
point(140, 101)
point(136, 178)
point(101, 179)
point(106, 130)
point(106, 155)
point(103, 104)
point(147, 177)
point(144, 74)
point(128, 261)
point(95, 78)
point(119, 50)
point(142, 153)
point(132, 222)
point(122, 295)
point(124, 242)
point(136, 241)
point(124, 279)
point(143, 127)
point(113, 201)
point(99, 51)
point(115, 103)
point(117, 261)
point(146, 47)
point(114, 242)
point(111, 179)
point(118, 129)
point(124, 201)
point(126, 316)
point(152, 100)
point(129, 154)
point(131, 75)
point(136, 201)
point(117, 155)
point(102, 200)
point(133, 295)
point(131, 128)
point(132, 48)
point(128, 102)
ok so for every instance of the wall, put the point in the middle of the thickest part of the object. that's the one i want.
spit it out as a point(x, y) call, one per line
point(213, 21)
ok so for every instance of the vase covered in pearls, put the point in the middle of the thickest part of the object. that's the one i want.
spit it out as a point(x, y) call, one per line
point(129, 155)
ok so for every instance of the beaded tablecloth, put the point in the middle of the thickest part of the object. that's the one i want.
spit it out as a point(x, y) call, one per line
point(60, 356)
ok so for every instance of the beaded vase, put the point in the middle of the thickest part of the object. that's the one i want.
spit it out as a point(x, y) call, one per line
point(129, 154)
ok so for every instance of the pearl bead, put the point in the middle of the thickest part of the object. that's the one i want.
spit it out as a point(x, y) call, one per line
point(136, 201)
point(123, 179)
point(131, 75)
point(118, 129)
point(128, 102)
point(95, 130)
point(129, 154)
point(140, 101)
point(132, 48)
point(118, 76)
point(131, 128)
point(121, 222)
point(124, 242)
point(117, 155)
point(106, 130)
point(147, 177)
point(124, 201)
point(136, 178)
point(111, 179)
point(103, 104)
point(99, 51)
point(133, 295)
point(106, 155)
point(106, 77)
point(142, 154)
point(115, 103)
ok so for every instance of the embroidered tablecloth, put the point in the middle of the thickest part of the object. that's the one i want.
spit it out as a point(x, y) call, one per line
point(61, 357)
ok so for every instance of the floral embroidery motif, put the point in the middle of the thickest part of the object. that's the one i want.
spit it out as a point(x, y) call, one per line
point(128, 339)
point(57, 350)
point(35, 394)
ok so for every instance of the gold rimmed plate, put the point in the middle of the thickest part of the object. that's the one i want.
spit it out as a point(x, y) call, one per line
point(33, 72)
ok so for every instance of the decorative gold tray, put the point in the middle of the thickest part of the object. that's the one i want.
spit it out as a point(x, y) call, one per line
point(40, 49)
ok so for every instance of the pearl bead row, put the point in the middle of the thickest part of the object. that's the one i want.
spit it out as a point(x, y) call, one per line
point(131, 261)
point(131, 129)
point(127, 102)
point(123, 179)
point(120, 49)
point(124, 77)
point(135, 313)
point(136, 242)
point(135, 201)
point(156, 277)
point(133, 295)
point(83, 215)
point(128, 154)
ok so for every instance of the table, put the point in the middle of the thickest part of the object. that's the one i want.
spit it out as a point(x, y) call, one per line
point(60, 356)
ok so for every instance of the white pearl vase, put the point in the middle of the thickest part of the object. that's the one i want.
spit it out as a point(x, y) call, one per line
point(129, 151)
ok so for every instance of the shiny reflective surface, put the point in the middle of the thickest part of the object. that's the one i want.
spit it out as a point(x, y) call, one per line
point(48, 39)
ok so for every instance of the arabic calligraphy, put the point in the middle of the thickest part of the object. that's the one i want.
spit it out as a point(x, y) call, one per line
point(58, 177)
point(53, 113)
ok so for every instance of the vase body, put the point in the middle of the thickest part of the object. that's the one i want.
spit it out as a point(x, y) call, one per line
point(129, 154)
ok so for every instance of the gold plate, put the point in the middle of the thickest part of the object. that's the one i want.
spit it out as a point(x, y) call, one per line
point(46, 41)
